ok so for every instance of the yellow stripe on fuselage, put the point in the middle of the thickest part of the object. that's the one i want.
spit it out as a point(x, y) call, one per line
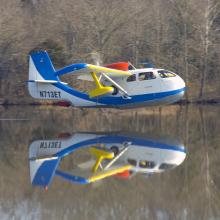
point(107, 70)
point(109, 173)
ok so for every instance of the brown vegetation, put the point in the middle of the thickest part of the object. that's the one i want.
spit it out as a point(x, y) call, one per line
point(180, 35)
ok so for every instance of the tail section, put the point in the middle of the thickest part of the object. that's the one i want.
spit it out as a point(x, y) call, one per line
point(44, 82)
point(41, 67)
point(42, 170)
point(42, 77)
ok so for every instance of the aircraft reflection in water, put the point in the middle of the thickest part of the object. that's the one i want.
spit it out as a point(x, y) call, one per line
point(106, 155)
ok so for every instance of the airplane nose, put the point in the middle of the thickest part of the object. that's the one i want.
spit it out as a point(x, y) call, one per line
point(181, 84)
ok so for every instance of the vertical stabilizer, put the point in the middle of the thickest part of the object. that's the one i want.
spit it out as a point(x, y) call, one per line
point(41, 67)
point(42, 75)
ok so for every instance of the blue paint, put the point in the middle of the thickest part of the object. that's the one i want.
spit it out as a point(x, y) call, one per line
point(44, 65)
point(115, 101)
point(71, 68)
point(114, 139)
point(71, 178)
point(45, 172)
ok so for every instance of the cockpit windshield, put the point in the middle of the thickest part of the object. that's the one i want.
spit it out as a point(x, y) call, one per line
point(166, 74)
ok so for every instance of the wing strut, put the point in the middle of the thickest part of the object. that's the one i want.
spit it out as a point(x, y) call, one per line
point(104, 90)
point(115, 84)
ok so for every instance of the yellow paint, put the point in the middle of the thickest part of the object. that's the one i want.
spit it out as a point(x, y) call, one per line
point(170, 74)
point(107, 70)
point(96, 80)
point(101, 154)
point(100, 89)
point(109, 173)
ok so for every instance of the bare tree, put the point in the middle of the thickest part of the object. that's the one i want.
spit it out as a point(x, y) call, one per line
point(211, 8)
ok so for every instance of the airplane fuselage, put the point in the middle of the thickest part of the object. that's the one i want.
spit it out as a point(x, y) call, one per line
point(144, 87)
point(153, 92)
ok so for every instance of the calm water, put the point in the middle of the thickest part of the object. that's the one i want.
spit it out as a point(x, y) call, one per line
point(187, 191)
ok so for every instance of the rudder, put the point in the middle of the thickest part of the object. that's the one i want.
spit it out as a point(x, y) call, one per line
point(42, 75)
point(41, 67)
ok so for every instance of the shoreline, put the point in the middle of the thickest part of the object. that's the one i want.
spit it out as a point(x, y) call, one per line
point(182, 102)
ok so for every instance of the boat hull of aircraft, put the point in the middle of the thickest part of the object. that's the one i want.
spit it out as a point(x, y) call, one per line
point(165, 100)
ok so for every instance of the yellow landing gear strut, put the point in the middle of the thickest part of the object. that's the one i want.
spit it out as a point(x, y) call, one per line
point(100, 154)
point(100, 89)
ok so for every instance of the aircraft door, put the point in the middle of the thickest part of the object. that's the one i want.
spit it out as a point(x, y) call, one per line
point(149, 82)
point(131, 84)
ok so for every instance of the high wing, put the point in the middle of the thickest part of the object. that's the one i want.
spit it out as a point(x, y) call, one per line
point(95, 73)
point(82, 70)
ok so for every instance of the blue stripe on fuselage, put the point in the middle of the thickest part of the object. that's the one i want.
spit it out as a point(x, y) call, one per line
point(71, 178)
point(113, 139)
point(71, 68)
point(115, 101)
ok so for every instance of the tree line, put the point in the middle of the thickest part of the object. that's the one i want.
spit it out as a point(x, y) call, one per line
point(179, 35)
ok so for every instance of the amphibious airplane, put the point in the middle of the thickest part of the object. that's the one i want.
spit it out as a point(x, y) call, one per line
point(118, 85)
point(106, 155)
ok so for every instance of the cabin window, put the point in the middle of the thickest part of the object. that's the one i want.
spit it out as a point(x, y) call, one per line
point(131, 78)
point(132, 162)
point(146, 164)
point(146, 76)
point(166, 166)
point(166, 74)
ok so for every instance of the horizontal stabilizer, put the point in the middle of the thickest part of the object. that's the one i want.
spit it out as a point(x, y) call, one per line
point(47, 81)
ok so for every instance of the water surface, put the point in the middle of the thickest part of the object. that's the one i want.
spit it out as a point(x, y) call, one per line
point(189, 191)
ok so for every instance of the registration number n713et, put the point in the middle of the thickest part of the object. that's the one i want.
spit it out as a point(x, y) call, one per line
point(50, 94)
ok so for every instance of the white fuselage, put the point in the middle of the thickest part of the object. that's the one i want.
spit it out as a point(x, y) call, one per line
point(154, 85)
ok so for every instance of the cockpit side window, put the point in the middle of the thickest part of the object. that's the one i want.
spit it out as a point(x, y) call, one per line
point(131, 78)
point(132, 162)
point(146, 76)
point(166, 166)
point(146, 164)
point(166, 74)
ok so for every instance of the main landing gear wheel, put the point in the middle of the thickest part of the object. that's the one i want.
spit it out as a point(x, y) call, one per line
point(115, 91)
